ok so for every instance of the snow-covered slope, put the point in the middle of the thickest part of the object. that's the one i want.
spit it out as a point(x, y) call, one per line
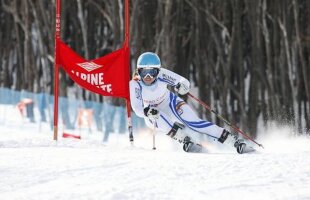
point(33, 166)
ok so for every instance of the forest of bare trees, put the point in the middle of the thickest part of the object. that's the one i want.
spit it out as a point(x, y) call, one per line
point(249, 59)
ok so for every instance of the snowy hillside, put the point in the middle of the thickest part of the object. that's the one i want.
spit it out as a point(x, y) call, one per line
point(33, 166)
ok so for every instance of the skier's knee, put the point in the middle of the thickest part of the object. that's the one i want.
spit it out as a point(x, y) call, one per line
point(179, 105)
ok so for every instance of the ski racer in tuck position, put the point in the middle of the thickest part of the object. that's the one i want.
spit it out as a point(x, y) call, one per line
point(168, 113)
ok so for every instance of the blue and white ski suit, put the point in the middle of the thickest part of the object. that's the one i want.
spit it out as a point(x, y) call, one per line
point(171, 107)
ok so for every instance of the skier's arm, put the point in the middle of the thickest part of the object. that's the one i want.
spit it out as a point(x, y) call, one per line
point(135, 98)
point(181, 84)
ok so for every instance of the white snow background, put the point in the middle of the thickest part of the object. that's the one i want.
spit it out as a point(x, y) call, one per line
point(33, 166)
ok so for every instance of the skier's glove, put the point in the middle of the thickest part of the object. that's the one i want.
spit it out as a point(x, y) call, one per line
point(151, 113)
point(181, 88)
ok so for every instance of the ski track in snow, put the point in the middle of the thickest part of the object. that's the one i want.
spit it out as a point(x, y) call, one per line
point(33, 166)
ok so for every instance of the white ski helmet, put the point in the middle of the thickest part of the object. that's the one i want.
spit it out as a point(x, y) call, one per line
point(148, 60)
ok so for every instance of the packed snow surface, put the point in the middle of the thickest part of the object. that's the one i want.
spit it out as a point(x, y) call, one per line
point(33, 166)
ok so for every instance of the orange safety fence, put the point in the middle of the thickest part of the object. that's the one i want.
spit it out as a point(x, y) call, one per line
point(22, 105)
point(85, 118)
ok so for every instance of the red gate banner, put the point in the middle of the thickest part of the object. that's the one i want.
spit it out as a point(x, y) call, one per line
point(107, 75)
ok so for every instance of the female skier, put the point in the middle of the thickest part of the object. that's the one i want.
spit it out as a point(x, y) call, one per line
point(163, 109)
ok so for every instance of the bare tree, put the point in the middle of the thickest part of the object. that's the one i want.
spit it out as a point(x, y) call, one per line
point(248, 59)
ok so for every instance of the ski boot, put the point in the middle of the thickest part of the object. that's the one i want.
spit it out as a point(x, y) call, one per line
point(190, 146)
point(238, 143)
point(176, 132)
point(179, 135)
point(240, 146)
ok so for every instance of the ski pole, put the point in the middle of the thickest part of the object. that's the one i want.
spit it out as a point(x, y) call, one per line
point(223, 119)
point(154, 147)
point(131, 139)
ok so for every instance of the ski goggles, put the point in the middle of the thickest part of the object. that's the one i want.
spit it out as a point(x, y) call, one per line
point(152, 72)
